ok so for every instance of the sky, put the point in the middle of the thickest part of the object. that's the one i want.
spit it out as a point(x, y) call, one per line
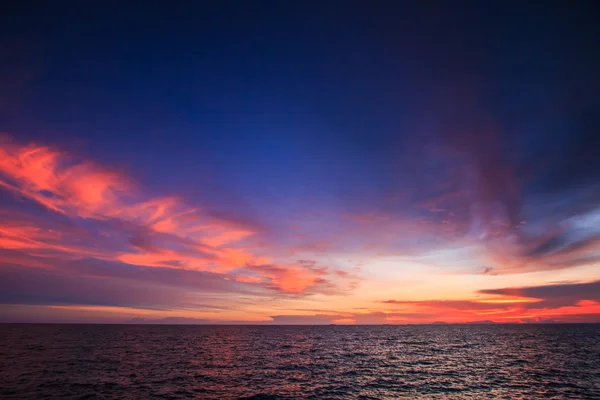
point(307, 162)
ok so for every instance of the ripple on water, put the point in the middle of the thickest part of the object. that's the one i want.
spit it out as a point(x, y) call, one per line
point(267, 362)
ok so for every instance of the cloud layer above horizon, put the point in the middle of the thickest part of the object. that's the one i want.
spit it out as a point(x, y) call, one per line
point(76, 235)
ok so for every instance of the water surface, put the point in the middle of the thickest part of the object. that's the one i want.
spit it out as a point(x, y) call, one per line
point(337, 362)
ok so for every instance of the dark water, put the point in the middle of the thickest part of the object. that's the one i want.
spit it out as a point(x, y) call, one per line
point(177, 362)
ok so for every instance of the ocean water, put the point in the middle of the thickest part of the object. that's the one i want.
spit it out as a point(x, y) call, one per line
point(325, 362)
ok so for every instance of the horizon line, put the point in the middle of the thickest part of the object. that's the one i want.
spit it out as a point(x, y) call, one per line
point(266, 324)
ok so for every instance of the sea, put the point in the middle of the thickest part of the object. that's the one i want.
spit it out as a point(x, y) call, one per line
point(531, 361)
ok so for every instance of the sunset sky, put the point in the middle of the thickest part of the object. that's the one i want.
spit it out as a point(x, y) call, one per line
point(300, 162)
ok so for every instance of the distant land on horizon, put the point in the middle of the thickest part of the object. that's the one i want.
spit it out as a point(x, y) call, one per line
point(192, 322)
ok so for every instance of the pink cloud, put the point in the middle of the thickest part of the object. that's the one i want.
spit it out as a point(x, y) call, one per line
point(164, 231)
point(291, 278)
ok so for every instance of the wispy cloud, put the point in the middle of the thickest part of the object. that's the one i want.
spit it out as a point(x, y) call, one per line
point(559, 302)
point(566, 294)
point(106, 217)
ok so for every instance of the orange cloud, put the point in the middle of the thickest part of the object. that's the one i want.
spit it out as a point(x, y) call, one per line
point(557, 302)
point(26, 236)
point(49, 177)
point(166, 232)
point(290, 278)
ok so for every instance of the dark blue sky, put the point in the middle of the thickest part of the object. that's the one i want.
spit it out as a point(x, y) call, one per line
point(338, 103)
point(319, 92)
point(482, 115)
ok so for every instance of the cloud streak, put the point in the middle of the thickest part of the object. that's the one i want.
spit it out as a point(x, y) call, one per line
point(110, 219)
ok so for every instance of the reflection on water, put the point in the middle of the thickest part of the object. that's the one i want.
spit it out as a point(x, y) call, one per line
point(428, 361)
